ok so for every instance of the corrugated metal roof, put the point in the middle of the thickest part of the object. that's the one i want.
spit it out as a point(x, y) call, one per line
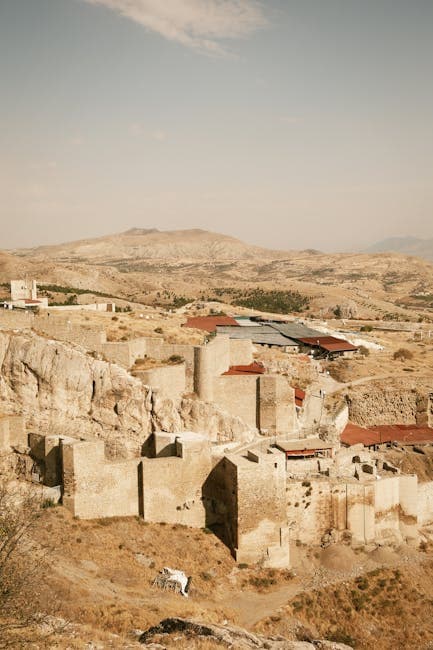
point(209, 323)
point(261, 335)
point(244, 321)
point(295, 330)
point(404, 433)
point(354, 434)
point(329, 343)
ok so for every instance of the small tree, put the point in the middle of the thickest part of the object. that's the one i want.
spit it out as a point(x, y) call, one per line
point(22, 561)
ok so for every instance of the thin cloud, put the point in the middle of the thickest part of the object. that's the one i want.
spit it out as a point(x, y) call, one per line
point(198, 24)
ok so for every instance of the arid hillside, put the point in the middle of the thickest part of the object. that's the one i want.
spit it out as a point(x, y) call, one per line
point(171, 268)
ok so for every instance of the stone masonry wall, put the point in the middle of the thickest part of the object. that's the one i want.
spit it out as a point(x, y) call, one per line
point(261, 510)
point(238, 395)
point(169, 380)
point(172, 486)
point(96, 488)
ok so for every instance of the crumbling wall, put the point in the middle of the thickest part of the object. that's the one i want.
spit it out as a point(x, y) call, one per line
point(396, 402)
point(309, 509)
point(96, 488)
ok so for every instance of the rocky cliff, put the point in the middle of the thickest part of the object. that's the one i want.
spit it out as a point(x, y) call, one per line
point(61, 389)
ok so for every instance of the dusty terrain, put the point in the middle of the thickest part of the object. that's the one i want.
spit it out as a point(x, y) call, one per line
point(101, 573)
point(143, 266)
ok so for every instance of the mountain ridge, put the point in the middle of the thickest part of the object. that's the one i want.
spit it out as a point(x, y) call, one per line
point(414, 246)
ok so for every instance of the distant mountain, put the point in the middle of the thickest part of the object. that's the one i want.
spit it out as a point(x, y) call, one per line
point(141, 243)
point(405, 246)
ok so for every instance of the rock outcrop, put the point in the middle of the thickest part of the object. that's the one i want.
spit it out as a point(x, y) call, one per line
point(62, 389)
point(229, 636)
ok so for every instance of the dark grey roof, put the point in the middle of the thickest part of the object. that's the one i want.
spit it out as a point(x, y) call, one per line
point(259, 334)
point(295, 330)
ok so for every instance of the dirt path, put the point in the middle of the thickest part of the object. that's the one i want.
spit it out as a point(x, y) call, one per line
point(365, 380)
point(252, 607)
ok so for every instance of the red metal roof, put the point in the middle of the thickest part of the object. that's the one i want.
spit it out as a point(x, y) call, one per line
point(253, 369)
point(209, 323)
point(404, 433)
point(329, 343)
point(28, 301)
point(299, 396)
point(354, 434)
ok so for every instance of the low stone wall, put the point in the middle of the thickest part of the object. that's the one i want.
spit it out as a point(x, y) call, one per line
point(63, 330)
point(16, 319)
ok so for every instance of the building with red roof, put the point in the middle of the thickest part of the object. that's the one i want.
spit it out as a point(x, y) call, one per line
point(209, 323)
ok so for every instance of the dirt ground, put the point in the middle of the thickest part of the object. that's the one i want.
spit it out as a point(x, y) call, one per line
point(101, 572)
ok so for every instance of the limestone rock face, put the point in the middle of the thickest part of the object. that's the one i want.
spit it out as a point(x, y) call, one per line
point(229, 636)
point(63, 390)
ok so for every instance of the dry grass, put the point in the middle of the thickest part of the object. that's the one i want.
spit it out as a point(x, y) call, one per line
point(385, 608)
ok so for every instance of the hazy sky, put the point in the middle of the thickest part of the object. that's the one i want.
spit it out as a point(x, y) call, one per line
point(287, 123)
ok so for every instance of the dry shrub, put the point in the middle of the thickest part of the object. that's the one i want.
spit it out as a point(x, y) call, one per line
point(23, 563)
point(402, 354)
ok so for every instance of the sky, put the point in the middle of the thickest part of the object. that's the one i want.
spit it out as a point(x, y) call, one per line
point(290, 124)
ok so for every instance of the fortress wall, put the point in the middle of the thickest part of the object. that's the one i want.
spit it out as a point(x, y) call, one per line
point(261, 510)
point(94, 487)
point(361, 512)
point(46, 450)
point(210, 361)
point(387, 508)
point(12, 432)
point(157, 349)
point(277, 412)
point(408, 490)
point(137, 349)
point(309, 507)
point(63, 330)
point(169, 380)
point(99, 306)
point(116, 352)
point(241, 352)
point(172, 485)
point(16, 319)
point(5, 445)
point(17, 430)
point(425, 503)
point(237, 394)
